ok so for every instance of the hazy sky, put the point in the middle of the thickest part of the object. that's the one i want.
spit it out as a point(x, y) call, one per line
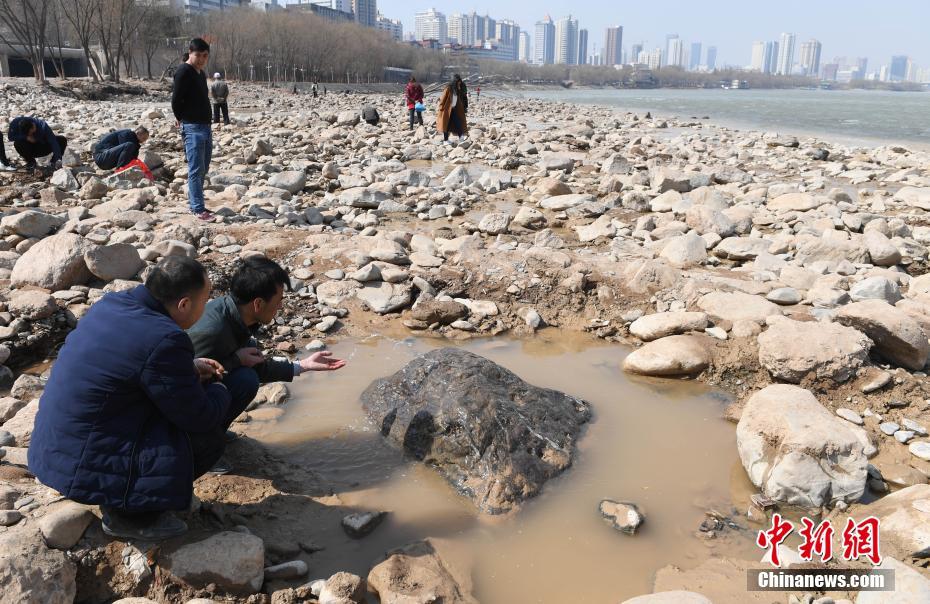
point(875, 29)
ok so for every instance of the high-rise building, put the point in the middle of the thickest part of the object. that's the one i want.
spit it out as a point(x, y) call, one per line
point(675, 53)
point(897, 72)
point(666, 57)
point(566, 41)
point(711, 61)
point(508, 36)
point(523, 50)
point(635, 51)
point(810, 57)
point(757, 62)
point(785, 54)
point(394, 27)
point(461, 29)
point(770, 61)
point(366, 12)
point(613, 46)
point(582, 47)
point(485, 29)
point(652, 60)
point(431, 25)
point(544, 42)
point(695, 60)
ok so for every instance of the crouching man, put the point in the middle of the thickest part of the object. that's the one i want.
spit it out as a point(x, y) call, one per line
point(120, 147)
point(129, 418)
point(226, 333)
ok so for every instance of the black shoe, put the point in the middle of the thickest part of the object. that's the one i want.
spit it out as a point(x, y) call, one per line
point(229, 436)
point(143, 527)
point(31, 164)
point(222, 466)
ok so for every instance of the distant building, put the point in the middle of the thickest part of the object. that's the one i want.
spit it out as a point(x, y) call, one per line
point(830, 71)
point(508, 34)
point(431, 25)
point(635, 51)
point(810, 57)
point(264, 6)
point(566, 41)
point(613, 46)
point(461, 30)
point(199, 7)
point(544, 42)
point(485, 28)
point(897, 72)
point(711, 61)
point(582, 46)
point(366, 12)
point(394, 27)
point(785, 54)
point(523, 50)
point(695, 59)
point(757, 60)
point(324, 12)
point(675, 53)
point(669, 56)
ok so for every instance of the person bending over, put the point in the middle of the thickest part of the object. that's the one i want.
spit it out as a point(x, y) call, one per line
point(120, 147)
point(33, 138)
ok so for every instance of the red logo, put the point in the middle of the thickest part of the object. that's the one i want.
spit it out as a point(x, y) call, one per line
point(859, 539)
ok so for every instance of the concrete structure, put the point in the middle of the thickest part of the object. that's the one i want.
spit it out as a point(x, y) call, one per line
point(566, 41)
point(366, 12)
point(13, 63)
point(613, 46)
point(582, 46)
point(810, 57)
point(785, 54)
point(523, 49)
point(544, 42)
point(431, 25)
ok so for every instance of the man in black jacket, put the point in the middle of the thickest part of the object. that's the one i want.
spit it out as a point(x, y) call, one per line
point(120, 147)
point(226, 331)
point(33, 138)
point(190, 102)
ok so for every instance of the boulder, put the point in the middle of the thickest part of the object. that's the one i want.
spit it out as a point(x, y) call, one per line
point(64, 524)
point(685, 250)
point(55, 263)
point(737, 306)
point(798, 202)
point(443, 312)
point(348, 118)
point(669, 356)
point(910, 586)
point(292, 181)
point(602, 227)
point(799, 453)
point(661, 324)
point(116, 261)
point(881, 250)
point(416, 573)
point(917, 197)
point(793, 350)
point(741, 248)
point(31, 304)
point(876, 288)
point(905, 521)
point(341, 588)
point(705, 219)
point(233, 561)
point(31, 223)
point(382, 297)
point(529, 218)
point(494, 223)
point(666, 179)
point(442, 403)
point(556, 162)
point(64, 179)
point(363, 197)
point(31, 572)
point(897, 336)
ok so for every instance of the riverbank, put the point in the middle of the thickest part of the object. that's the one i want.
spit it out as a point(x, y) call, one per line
point(739, 259)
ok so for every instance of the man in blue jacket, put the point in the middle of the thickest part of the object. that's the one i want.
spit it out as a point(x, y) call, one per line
point(129, 418)
point(119, 147)
point(33, 138)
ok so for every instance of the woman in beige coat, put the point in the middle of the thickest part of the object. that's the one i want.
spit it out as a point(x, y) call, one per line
point(453, 105)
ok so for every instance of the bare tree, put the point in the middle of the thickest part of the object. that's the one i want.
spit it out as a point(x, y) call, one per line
point(118, 24)
point(162, 24)
point(83, 16)
point(24, 23)
point(57, 35)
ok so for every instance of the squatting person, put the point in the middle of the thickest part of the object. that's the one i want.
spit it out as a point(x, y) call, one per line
point(119, 147)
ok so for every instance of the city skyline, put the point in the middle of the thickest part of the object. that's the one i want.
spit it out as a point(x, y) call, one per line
point(877, 32)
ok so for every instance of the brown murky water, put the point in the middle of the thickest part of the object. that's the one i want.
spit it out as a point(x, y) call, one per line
point(664, 447)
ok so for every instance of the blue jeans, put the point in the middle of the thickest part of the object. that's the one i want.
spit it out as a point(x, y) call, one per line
point(198, 145)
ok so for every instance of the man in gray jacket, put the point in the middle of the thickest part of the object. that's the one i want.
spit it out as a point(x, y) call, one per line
point(220, 93)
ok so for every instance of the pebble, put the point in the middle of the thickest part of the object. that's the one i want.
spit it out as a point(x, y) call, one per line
point(288, 570)
point(908, 424)
point(889, 428)
point(850, 416)
point(920, 449)
point(326, 324)
point(315, 345)
point(903, 436)
point(359, 524)
point(9, 517)
point(879, 382)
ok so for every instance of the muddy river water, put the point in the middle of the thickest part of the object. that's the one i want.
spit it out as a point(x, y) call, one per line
point(663, 446)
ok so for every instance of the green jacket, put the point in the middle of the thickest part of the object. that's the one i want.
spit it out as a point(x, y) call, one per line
point(220, 332)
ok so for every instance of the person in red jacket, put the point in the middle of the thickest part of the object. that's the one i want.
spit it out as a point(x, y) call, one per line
point(413, 94)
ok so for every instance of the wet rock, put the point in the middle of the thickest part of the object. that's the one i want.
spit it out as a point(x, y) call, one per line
point(897, 336)
point(32, 304)
point(64, 524)
point(341, 588)
point(669, 356)
point(116, 261)
point(792, 350)
point(233, 561)
point(54, 263)
point(443, 402)
point(286, 571)
point(31, 572)
point(417, 573)
point(658, 325)
point(798, 452)
point(622, 516)
point(360, 524)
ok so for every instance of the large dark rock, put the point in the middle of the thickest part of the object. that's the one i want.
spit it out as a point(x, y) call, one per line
point(493, 436)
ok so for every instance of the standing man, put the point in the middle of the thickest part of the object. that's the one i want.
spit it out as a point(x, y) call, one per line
point(120, 147)
point(220, 92)
point(33, 138)
point(226, 333)
point(190, 103)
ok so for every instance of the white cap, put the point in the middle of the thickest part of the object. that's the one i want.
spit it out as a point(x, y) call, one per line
point(216, 75)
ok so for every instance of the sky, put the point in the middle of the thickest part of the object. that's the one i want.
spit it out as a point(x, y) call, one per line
point(876, 29)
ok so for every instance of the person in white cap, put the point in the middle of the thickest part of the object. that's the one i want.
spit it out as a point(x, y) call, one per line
point(220, 92)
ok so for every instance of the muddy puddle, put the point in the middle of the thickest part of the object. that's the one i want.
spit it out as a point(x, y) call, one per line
point(664, 447)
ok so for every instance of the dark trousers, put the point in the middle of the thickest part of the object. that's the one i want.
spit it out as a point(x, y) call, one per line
point(3, 158)
point(30, 151)
point(414, 114)
point(454, 126)
point(217, 108)
point(117, 156)
point(242, 384)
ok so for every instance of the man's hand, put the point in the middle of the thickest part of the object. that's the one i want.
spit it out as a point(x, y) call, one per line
point(208, 369)
point(321, 361)
point(250, 357)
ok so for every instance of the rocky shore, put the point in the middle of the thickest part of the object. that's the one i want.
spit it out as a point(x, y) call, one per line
point(790, 273)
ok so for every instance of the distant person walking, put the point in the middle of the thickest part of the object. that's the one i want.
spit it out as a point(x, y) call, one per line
point(190, 103)
point(413, 94)
point(478, 92)
point(314, 90)
point(120, 147)
point(220, 93)
point(453, 105)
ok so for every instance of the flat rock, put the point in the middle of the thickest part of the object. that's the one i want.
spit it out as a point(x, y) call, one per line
point(444, 401)
point(741, 248)
point(416, 573)
point(737, 306)
point(32, 572)
point(793, 350)
point(905, 521)
point(897, 336)
point(798, 202)
point(233, 561)
point(32, 304)
point(54, 263)
point(798, 452)
point(558, 203)
point(910, 587)
point(669, 356)
point(382, 297)
point(31, 223)
point(658, 325)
